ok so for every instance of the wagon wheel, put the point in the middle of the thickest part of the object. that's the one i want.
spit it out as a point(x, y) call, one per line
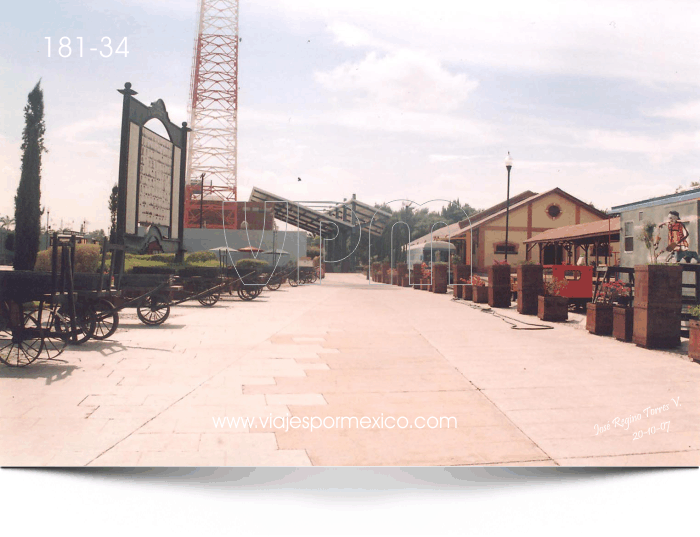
point(276, 285)
point(85, 323)
point(210, 299)
point(55, 341)
point(107, 319)
point(244, 294)
point(293, 282)
point(152, 313)
point(21, 340)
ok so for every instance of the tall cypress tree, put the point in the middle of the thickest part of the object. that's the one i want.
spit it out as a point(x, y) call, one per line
point(113, 206)
point(27, 201)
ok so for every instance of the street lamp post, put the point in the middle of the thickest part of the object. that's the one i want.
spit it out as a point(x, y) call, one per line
point(509, 165)
point(201, 202)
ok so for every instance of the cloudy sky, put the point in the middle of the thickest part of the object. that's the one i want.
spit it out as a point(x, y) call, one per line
point(384, 99)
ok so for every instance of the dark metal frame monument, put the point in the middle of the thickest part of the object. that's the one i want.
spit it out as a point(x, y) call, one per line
point(151, 200)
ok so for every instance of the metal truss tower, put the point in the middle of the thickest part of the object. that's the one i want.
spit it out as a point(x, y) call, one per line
point(214, 102)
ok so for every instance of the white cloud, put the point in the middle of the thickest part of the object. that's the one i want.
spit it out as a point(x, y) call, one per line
point(656, 149)
point(688, 111)
point(354, 36)
point(645, 40)
point(450, 158)
point(405, 79)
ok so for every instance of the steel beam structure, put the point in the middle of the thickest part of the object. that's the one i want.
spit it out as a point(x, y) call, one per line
point(214, 101)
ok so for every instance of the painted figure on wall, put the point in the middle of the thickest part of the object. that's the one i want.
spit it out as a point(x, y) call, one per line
point(678, 246)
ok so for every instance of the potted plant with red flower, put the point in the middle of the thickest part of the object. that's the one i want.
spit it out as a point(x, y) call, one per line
point(426, 278)
point(599, 314)
point(623, 313)
point(552, 306)
point(480, 293)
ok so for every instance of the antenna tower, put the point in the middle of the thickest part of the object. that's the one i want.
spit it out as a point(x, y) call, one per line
point(214, 103)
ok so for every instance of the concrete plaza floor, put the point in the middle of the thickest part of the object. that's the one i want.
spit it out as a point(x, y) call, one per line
point(149, 396)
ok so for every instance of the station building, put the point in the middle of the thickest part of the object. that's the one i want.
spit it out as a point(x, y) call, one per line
point(530, 213)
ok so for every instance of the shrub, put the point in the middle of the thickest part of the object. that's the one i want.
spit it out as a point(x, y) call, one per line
point(201, 257)
point(87, 259)
point(313, 251)
point(43, 261)
point(253, 264)
point(161, 258)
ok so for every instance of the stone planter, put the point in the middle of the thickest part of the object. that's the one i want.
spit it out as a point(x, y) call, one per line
point(439, 278)
point(623, 318)
point(467, 292)
point(461, 272)
point(386, 268)
point(480, 294)
point(402, 271)
point(657, 306)
point(694, 341)
point(499, 286)
point(599, 319)
point(529, 288)
point(416, 275)
point(553, 308)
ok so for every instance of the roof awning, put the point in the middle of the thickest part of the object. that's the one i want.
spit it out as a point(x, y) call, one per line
point(579, 232)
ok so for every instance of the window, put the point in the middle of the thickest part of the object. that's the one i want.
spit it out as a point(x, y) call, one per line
point(629, 236)
point(641, 215)
point(572, 275)
point(500, 248)
point(553, 211)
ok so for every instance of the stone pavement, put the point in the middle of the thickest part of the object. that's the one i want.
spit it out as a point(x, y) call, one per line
point(342, 349)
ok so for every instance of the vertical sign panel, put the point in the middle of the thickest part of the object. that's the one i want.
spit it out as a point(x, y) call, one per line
point(155, 179)
point(132, 179)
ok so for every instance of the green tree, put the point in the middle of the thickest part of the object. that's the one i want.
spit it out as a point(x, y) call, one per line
point(113, 203)
point(6, 222)
point(27, 201)
point(96, 235)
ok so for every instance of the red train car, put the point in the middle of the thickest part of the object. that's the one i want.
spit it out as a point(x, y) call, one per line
point(579, 282)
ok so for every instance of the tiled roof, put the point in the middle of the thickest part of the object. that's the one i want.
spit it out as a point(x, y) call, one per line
point(578, 231)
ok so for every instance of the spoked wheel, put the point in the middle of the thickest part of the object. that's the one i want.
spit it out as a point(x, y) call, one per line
point(21, 340)
point(55, 340)
point(84, 326)
point(151, 312)
point(275, 286)
point(106, 319)
point(293, 282)
point(210, 299)
point(244, 294)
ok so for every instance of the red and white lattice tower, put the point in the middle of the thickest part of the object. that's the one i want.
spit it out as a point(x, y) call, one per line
point(214, 101)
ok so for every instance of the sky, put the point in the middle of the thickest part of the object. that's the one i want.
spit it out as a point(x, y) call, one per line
point(384, 99)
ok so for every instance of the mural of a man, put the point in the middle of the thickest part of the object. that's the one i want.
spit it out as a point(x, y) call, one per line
point(677, 240)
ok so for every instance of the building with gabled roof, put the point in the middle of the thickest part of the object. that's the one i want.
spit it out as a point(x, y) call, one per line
point(530, 213)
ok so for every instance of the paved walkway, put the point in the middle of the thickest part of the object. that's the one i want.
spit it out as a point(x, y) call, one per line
point(344, 349)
